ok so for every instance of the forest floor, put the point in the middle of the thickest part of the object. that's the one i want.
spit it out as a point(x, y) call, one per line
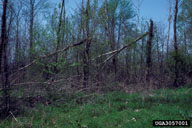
point(110, 110)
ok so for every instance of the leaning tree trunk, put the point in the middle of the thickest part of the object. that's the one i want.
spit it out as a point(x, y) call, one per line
point(149, 47)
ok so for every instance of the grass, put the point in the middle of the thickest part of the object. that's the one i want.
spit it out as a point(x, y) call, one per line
point(111, 110)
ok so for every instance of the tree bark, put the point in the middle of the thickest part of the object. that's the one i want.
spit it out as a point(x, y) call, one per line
point(59, 35)
point(175, 45)
point(3, 32)
point(87, 47)
point(169, 26)
point(32, 2)
point(112, 40)
point(17, 41)
point(3, 56)
point(149, 47)
point(17, 46)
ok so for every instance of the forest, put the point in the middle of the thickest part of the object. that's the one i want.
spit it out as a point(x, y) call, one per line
point(99, 64)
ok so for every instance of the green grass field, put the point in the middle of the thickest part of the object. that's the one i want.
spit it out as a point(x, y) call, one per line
point(111, 110)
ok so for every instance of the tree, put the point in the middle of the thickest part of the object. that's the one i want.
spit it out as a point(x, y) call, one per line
point(169, 26)
point(185, 25)
point(32, 4)
point(59, 33)
point(87, 47)
point(18, 18)
point(35, 7)
point(117, 14)
point(148, 54)
point(3, 56)
point(176, 84)
point(3, 32)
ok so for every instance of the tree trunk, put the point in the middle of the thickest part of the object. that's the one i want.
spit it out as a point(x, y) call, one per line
point(3, 32)
point(149, 47)
point(59, 35)
point(169, 26)
point(86, 51)
point(17, 47)
point(112, 40)
point(175, 45)
point(17, 41)
point(3, 56)
point(31, 30)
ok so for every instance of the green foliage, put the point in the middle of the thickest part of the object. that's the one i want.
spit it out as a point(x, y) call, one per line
point(186, 11)
point(185, 24)
point(116, 109)
point(183, 68)
point(120, 9)
point(75, 64)
point(61, 65)
point(184, 63)
point(125, 9)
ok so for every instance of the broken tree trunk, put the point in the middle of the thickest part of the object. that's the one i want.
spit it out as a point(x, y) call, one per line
point(148, 54)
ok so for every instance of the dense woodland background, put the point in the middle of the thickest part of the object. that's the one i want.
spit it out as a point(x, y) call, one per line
point(103, 45)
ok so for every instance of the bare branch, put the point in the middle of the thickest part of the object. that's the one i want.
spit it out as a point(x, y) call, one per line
point(51, 54)
point(115, 52)
point(13, 116)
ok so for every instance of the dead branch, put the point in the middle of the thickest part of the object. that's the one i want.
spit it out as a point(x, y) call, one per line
point(115, 52)
point(21, 124)
point(13, 116)
point(51, 54)
point(29, 83)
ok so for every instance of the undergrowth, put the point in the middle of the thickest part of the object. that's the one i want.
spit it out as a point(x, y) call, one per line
point(110, 110)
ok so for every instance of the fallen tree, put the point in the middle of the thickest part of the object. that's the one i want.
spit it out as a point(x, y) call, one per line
point(51, 54)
